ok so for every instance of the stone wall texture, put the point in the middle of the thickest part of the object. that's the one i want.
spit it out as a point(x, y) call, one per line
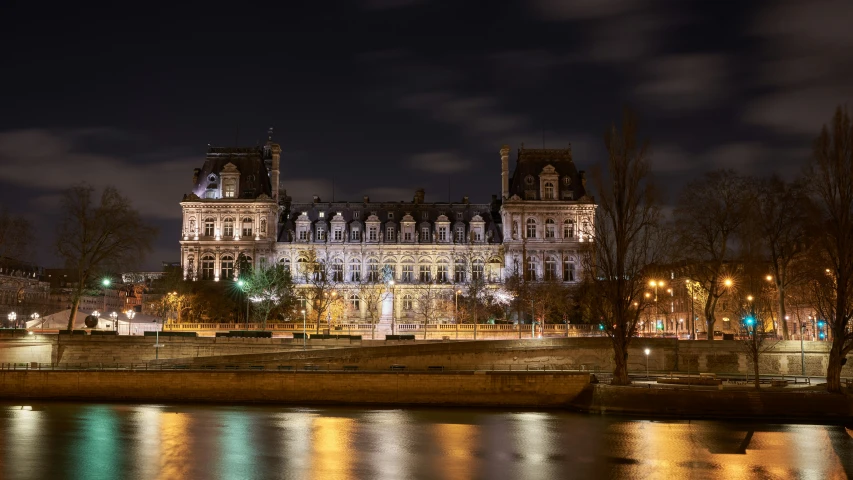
point(506, 389)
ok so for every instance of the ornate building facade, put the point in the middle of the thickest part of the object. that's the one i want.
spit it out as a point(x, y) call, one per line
point(237, 210)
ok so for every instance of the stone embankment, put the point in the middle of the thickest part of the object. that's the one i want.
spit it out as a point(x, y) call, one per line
point(471, 389)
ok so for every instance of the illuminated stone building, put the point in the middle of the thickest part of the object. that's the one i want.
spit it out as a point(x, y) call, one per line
point(237, 209)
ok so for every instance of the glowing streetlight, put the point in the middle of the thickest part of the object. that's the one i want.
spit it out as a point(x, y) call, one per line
point(35, 316)
point(749, 298)
point(12, 317)
point(303, 329)
point(769, 278)
point(114, 316)
point(647, 352)
point(728, 282)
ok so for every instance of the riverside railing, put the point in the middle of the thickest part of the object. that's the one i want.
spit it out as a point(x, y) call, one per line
point(304, 366)
point(570, 329)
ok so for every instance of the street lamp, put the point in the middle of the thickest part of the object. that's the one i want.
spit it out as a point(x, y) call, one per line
point(106, 283)
point(647, 352)
point(114, 316)
point(242, 284)
point(393, 316)
point(303, 329)
point(12, 317)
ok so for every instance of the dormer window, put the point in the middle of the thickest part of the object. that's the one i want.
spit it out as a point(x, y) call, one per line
point(229, 188)
point(567, 181)
point(528, 180)
point(211, 178)
point(322, 214)
point(549, 191)
point(390, 215)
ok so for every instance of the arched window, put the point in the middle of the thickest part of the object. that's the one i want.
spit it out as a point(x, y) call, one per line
point(441, 271)
point(355, 302)
point(407, 302)
point(207, 264)
point(477, 270)
point(247, 227)
point(550, 228)
point(567, 181)
point(285, 264)
point(408, 270)
point(549, 191)
point(226, 267)
point(208, 226)
point(531, 228)
point(459, 271)
point(568, 269)
point(494, 270)
point(337, 270)
point(568, 229)
point(228, 227)
point(373, 270)
point(355, 270)
point(530, 269)
point(302, 267)
point(263, 226)
point(550, 268)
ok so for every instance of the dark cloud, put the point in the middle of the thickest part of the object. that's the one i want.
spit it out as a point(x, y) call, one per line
point(439, 162)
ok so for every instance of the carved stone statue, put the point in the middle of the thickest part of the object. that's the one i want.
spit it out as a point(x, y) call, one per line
point(387, 273)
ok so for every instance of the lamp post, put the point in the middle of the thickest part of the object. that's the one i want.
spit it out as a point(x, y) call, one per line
point(12, 317)
point(129, 314)
point(114, 316)
point(802, 349)
point(647, 352)
point(106, 283)
point(456, 312)
point(393, 316)
point(303, 329)
point(242, 284)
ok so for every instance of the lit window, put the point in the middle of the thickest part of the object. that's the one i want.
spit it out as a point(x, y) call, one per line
point(208, 227)
point(321, 233)
point(337, 271)
point(568, 270)
point(407, 302)
point(459, 271)
point(354, 302)
point(228, 227)
point(207, 262)
point(227, 268)
point(442, 234)
point(389, 233)
point(408, 273)
point(355, 270)
point(355, 235)
point(338, 234)
point(425, 234)
point(229, 189)
point(549, 191)
point(460, 234)
point(477, 270)
point(531, 228)
point(322, 214)
point(423, 273)
point(247, 227)
point(550, 228)
point(441, 273)
point(568, 229)
point(371, 234)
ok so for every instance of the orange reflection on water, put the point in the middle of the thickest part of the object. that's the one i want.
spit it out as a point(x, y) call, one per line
point(457, 443)
point(175, 456)
point(331, 441)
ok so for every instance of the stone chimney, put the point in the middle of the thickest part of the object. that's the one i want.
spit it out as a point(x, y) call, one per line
point(366, 199)
point(505, 171)
point(465, 200)
point(419, 196)
point(316, 199)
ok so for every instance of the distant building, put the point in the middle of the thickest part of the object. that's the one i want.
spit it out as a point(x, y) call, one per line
point(23, 290)
point(236, 211)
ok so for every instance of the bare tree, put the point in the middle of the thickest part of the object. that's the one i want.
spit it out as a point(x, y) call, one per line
point(372, 292)
point(98, 235)
point(321, 282)
point(625, 240)
point(755, 327)
point(16, 236)
point(431, 302)
point(830, 175)
point(779, 217)
point(267, 288)
point(706, 221)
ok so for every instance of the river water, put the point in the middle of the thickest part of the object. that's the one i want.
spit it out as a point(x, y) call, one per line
point(114, 441)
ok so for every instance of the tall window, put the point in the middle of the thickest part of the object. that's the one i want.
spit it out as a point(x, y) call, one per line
point(459, 271)
point(425, 234)
point(227, 269)
point(303, 235)
point(229, 189)
point(337, 270)
point(477, 270)
point(372, 234)
point(441, 273)
point(530, 269)
point(408, 273)
point(442, 234)
point(208, 227)
point(549, 191)
point(373, 270)
point(228, 227)
point(247, 227)
point(285, 264)
point(355, 302)
point(321, 233)
point(423, 273)
point(550, 228)
point(355, 270)
point(338, 234)
point(407, 302)
point(356, 215)
point(531, 228)
point(568, 270)
point(460, 234)
point(389, 233)
point(407, 235)
point(207, 263)
point(568, 229)
point(355, 234)
point(550, 268)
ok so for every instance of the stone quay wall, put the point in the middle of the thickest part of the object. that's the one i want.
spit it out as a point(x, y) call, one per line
point(494, 389)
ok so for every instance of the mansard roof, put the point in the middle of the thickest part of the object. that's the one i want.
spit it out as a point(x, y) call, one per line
point(532, 161)
point(249, 162)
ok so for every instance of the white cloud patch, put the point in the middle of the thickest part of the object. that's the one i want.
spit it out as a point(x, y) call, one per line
point(439, 162)
point(51, 161)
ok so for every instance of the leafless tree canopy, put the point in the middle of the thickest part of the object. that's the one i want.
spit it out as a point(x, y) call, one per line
point(99, 234)
point(709, 217)
point(830, 176)
point(16, 236)
point(626, 239)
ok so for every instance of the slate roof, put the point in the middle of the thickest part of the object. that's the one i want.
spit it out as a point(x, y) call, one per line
point(531, 161)
point(254, 176)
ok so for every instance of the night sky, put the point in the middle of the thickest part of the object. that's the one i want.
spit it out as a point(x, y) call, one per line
point(380, 97)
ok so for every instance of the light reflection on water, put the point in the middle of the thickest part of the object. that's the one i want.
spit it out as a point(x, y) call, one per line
point(92, 441)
